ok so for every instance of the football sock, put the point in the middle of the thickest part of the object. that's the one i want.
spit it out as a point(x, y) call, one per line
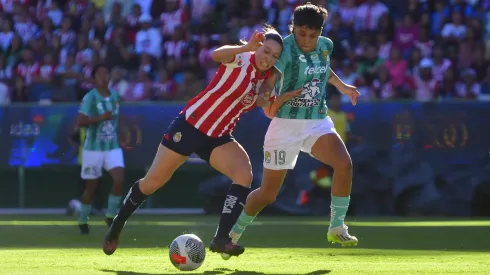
point(242, 222)
point(84, 213)
point(338, 210)
point(112, 206)
point(233, 206)
point(134, 199)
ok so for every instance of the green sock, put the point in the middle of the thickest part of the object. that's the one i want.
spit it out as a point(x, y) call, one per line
point(84, 213)
point(242, 222)
point(112, 206)
point(338, 210)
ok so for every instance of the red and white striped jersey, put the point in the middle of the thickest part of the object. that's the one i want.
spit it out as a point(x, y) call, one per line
point(232, 92)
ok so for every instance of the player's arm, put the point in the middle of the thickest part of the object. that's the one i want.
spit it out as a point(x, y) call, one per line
point(226, 54)
point(266, 91)
point(276, 101)
point(334, 79)
point(84, 118)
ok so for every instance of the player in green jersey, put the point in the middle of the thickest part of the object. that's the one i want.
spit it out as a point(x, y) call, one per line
point(300, 122)
point(99, 113)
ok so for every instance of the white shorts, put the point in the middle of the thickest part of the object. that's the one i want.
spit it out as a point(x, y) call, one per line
point(285, 138)
point(94, 161)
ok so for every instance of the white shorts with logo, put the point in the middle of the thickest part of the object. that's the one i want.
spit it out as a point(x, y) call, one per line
point(94, 161)
point(285, 138)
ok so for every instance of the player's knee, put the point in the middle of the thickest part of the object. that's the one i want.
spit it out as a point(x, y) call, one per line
point(149, 184)
point(242, 177)
point(343, 165)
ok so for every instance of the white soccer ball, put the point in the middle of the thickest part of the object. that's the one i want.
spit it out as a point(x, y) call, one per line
point(187, 252)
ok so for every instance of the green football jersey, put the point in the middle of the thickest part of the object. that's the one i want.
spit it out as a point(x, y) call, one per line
point(308, 71)
point(102, 136)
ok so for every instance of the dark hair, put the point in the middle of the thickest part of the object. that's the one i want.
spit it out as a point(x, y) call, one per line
point(270, 33)
point(309, 15)
point(96, 68)
point(275, 36)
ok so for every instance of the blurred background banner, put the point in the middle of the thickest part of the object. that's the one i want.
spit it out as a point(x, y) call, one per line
point(448, 132)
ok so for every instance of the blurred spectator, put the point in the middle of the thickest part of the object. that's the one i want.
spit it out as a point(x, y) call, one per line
point(4, 94)
point(425, 84)
point(414, 49)
point(369, 13)
point(165, 88)
point(118, 82)
point(397, 67)
point(139, 88)
point(148, 39)
point(468, 87)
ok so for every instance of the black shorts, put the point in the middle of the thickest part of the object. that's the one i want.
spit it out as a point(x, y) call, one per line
point(183, 138)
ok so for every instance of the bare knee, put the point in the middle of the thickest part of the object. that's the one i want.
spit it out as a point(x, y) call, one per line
point(151, 183)
point(242, 177)
point(343, 165)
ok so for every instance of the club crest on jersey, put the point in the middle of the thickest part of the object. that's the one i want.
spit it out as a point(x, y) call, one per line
point(249, 98)
point(267, 157)
point(325, 54)
point(177, 137)
point(239, 61)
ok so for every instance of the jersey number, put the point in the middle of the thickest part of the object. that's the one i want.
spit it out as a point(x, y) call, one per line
point(279, 157)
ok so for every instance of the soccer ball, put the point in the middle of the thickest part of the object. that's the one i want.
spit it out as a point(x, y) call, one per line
point(187, 252)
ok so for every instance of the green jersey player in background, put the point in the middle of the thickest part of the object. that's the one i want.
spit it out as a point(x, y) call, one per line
point(99, 113)
point(299, 122)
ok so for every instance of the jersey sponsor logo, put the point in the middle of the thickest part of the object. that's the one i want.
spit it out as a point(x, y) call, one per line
point(107, 131)
point(309, 96)
point(309, 70)
point(314, 58)
point(177, 137)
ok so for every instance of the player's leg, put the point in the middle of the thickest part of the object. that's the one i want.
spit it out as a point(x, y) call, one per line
point(178, 143)
point(164, 165)
point(91, 172)
point(231, 160)
point(258, 199)
point(282, 144)
point(114, 163)
point(329, 148)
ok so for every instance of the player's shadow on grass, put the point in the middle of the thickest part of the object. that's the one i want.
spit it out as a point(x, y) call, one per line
point(218, 271)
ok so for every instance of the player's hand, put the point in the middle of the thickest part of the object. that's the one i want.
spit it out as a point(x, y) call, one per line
point(351, 92)
point(255, 41)
point(107, 116)
point(263, 99)
point(291, 94)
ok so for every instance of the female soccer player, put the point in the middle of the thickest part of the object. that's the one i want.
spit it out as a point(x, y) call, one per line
point(99, 113)
point(204, 126)
point(301, 124)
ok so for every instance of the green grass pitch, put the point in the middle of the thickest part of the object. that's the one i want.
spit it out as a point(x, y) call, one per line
point(51, 245)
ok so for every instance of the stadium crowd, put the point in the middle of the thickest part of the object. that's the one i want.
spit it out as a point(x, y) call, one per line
point(161, 49)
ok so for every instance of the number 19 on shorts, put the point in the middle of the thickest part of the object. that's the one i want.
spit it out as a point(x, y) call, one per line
point(278, 155)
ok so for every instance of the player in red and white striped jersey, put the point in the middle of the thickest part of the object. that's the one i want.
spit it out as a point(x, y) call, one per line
point(232, 92)
point(204, 127)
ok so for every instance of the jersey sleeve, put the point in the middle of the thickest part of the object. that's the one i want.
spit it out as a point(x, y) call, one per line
point(86, 104)
point(236, 62)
